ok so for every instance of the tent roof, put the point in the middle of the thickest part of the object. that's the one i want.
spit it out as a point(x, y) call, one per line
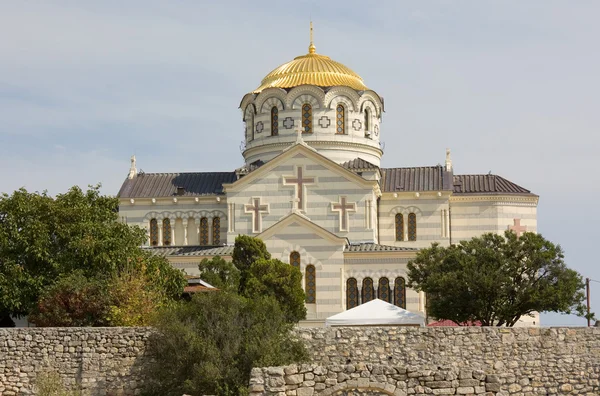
point(373, 313)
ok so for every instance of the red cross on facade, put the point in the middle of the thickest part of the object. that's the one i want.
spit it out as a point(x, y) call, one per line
point(299, 182)
point(256, 209)
point(343, 207)
point(517, 228)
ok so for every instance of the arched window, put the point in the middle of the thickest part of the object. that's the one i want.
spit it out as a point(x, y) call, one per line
point(399, 227)
point(204, 231)
point(153, 232)
point(367, 290)
point(307, 119)
point(166, 232)
point(216, 231)
point(340, 117)
point(367, 120)
point(400, 292)
point(412, 227)
point(295, 259)
point(351, 293)
point(250, 126)
point(311, 284)
point(274, 121)
point(383, 290)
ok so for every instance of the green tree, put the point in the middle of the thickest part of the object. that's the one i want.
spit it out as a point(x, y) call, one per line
point(246, 251)
point(254, 273)
point(74, 300)
point(281, 281)
point(210, 344)
point(220, 273)
point(43, 238)
point(496, 279)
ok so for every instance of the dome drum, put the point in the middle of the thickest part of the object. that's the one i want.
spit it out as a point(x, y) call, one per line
point(325, 100)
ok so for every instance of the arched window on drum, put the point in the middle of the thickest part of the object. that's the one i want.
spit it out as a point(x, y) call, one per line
point(274, 121)
point(351, 293)
point(307, 118)
point(340, 119)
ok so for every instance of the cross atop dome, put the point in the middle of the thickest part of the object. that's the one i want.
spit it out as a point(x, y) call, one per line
point(311, 47)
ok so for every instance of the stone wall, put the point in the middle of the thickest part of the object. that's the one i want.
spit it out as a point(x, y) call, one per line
point(472, 360)
point(103, 361)
point(345, 361)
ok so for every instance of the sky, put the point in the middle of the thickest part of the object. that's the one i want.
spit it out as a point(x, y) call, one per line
point(512, 87)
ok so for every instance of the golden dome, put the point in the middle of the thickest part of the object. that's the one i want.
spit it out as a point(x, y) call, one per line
point(313, 69)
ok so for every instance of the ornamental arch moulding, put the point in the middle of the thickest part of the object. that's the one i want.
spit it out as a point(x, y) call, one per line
point(246, 100)
point(405, 210)
point(371, 106)
point(305, 94)
point(305, 257)
point(270, 103)
point(250, 110)
point(360, 275)
point(346, 101)
point(373, 97)
point(267, 95)
point(341, 91)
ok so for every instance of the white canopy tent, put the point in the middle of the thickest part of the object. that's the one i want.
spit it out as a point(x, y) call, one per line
point(376, 313)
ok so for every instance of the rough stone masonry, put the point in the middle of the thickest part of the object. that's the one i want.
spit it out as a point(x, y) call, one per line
point(344, 361)
point(440, 361)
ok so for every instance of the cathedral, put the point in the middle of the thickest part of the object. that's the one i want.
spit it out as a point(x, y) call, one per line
point(312, 188)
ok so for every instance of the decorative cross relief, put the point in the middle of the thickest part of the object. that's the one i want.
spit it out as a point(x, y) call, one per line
point(343, 208)
point(299, 182)
point(260, 127)
point(288, 123)
point(324, 122)
point(256, 209)
point(356, 124)
point(517, 228)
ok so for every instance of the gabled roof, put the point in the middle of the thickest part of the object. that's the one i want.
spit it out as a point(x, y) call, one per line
point(424, 178)
point(191, 251)
point(305, 222)
point(155, 185)
point(358, 164)
point(374, 247)
point(303, 149)
point(486, 184)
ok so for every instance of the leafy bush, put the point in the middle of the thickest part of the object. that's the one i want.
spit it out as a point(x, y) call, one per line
point(49, 383)
point(210, 344)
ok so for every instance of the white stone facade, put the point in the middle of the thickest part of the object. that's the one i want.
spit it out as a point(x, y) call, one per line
point(322, 195)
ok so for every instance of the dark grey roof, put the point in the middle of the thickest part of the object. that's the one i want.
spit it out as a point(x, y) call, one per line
point(359, 164)
point(373, 247)
point(425, 178)
point(154, 185)
point(486, 184)
point(185, 251)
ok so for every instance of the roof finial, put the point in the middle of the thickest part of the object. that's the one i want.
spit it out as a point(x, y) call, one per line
point(311, 47)
point(448, 161)
point(132, 170)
